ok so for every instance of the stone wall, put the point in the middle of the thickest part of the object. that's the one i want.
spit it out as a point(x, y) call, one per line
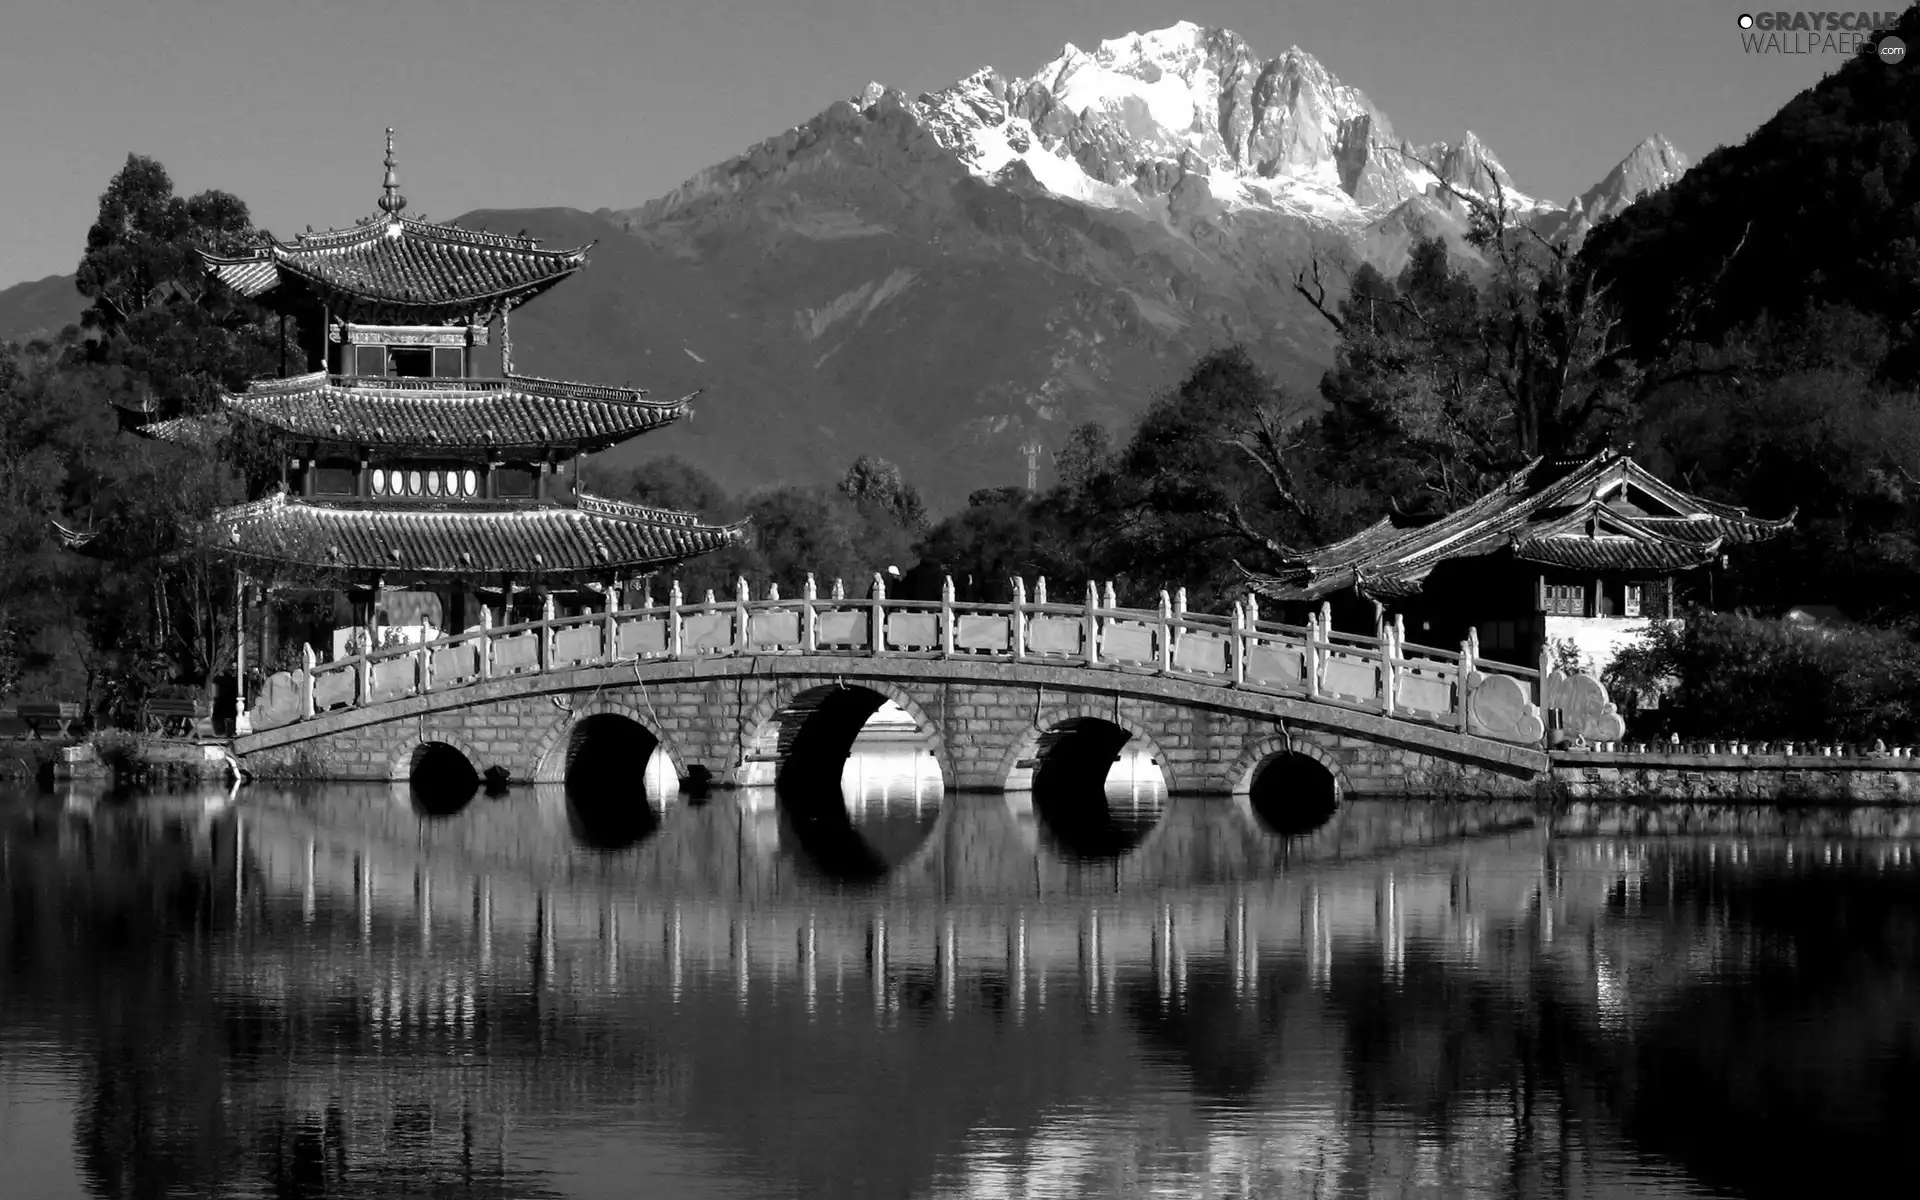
point(737, 718)
point(1748, 778)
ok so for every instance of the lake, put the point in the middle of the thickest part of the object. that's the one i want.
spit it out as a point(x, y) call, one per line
point(358, 991)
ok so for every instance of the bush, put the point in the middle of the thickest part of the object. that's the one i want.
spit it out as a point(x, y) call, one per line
point(1741, 677)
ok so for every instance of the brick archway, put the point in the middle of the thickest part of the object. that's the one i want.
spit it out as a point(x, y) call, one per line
point(1239, 777)
point(549, 756)
point(1015, 778)
point(400, 761)
point(763, 727)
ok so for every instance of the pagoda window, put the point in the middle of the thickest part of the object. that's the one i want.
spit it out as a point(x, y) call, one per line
point(449, 362)
point(410, 362)
point(369, 360)
point(514, 481)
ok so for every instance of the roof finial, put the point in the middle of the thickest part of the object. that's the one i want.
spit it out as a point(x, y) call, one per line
point(391, 201)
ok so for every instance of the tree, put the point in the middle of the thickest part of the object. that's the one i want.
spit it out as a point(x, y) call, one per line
point(877, 487)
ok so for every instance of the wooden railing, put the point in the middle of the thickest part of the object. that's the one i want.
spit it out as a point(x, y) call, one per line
point(1382, 674)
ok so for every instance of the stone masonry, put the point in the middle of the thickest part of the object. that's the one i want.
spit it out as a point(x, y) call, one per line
point(985, 720)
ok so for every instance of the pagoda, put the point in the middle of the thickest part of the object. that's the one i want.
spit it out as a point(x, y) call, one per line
point(411, 455)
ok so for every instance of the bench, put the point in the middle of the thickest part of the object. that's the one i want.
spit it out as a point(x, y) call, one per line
point(174, 717)
point(60, 716)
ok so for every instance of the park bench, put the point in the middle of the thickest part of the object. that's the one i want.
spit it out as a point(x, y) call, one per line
point(59, 716)
point(174, 716)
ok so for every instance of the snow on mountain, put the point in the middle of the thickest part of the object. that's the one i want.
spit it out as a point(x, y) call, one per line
point(1126, 125)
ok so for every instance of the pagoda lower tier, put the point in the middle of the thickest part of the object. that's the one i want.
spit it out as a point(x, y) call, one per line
point(590, 539)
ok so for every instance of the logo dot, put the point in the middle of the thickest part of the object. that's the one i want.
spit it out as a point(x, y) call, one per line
point(1892, 50)
point(1746, 20)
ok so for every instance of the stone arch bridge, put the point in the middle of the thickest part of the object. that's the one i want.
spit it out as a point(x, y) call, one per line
point(758, 692)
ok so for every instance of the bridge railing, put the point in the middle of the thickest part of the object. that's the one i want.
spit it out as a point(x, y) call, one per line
point(1383, 673)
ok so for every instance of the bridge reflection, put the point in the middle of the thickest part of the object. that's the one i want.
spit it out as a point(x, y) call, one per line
point(1412, 995)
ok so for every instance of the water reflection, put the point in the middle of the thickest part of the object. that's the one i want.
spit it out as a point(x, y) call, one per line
point(328, 993)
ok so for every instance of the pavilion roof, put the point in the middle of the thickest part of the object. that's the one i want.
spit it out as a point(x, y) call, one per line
point(593, 537)
point(396, 263)
point(1603, 513)
point(517, 414)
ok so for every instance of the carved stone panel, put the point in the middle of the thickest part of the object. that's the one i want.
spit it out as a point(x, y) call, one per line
point(1585, 711)
point(841, 628)
point(982, 633)
point(1498, 707)
point(1127, 643)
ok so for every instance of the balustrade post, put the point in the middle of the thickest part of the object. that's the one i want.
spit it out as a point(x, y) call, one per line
point(609, 639)
point(486, 642)
point(423, 666)
point(1239, 643)
point(306, 684)
point(1389, 643)
point(1313, 658)
point(877, 641)
point(546, 632)
point(676, 641)
point(1040, 590)
point(1253, 612)
point(1466, 669)
point(809, 617)
point(1326, 621)
point(946, 618)
point(839, 589)
point(1019, 630)
point(1108, 599)
point(1093, 624)
point(741, 599)
point(1166, 631)
point(1179, 611)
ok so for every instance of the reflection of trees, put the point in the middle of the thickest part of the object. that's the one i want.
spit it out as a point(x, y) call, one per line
point(1790, 1067)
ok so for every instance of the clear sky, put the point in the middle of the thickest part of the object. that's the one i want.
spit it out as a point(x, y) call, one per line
point(594, 103)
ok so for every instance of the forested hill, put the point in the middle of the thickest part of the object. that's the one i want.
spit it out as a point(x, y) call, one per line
point(1827, 196)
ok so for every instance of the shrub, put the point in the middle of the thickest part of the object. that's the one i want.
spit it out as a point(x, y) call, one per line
point(1738, 676)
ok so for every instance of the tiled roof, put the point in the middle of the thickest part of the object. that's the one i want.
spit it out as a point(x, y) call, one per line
point(504, 415)
point(597, 537)
point(517, 414)
point(405, 263)
point(1615, 554)
point(1562, 514)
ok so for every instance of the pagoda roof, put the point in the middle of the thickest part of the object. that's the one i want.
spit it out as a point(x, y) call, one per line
point(1603, 513)
point(515, 414)
point(394, 262)
point(594, 537)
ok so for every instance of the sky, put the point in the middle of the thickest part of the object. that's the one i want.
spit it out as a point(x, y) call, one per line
point(594, 103)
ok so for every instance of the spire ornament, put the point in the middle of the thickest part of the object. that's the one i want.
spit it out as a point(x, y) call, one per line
point(391, 201)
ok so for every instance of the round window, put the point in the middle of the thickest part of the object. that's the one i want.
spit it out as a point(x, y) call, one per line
point(379, 482)
point(413, 483)
point(471, 482)
point(433, 483)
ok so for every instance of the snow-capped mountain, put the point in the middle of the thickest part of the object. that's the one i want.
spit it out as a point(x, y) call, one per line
point(952, 280)
point(1153, 121)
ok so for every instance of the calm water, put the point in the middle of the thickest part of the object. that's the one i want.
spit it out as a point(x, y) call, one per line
point(331, 993)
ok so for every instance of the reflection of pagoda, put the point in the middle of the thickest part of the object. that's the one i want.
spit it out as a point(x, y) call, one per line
point(410, 453)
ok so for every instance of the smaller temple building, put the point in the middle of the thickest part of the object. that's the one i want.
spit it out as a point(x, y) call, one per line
point(1580, 550)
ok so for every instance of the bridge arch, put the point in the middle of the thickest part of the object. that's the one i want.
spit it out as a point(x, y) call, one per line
point(1287, 787)
point(775, 726)
point(440, 773)
point(1026, 748)
point(550, 753)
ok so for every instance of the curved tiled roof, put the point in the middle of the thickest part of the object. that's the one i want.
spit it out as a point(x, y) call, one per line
point(1607, 512)
point(403, 262)
point(517, 414)
point(597, 538)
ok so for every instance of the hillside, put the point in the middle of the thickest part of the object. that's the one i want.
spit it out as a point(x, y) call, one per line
point(1826, 194)
point(38, 308)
